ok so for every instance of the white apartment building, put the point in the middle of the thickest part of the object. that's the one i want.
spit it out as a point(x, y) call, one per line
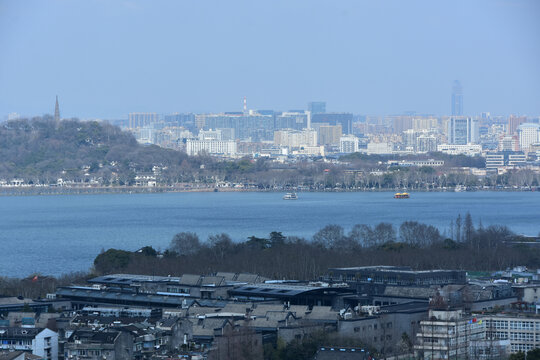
point(528, 134)
point(380, 148)
point(40, 342)
point(449, 334)
point(348, 144)
point(469, 149)
point(523, 333)
point(295, 138)
point(216, 147)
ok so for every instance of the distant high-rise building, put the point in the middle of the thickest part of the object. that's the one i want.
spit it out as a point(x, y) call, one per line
point(348, 144)
point(462, 130)
point(317, 107)
point(514, 122)
point(137, 120)
point(457, 99)
point(528, 134)
point(56, 111)
point(329, 134)
point(343, 119)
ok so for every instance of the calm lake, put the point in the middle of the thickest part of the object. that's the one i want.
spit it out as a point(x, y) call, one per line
point(59, 234)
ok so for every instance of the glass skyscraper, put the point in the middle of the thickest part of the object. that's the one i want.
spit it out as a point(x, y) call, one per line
point(457, 99)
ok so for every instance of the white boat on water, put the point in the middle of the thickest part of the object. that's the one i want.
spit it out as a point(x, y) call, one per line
point(460, 188)
point(290, 196)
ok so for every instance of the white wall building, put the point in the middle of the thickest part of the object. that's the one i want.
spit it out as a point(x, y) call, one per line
point(40, 342)
point(348, 144)
point(380, 148)
point(528, 134)
point(469, 149)
point(295, 138)
point(216, 147)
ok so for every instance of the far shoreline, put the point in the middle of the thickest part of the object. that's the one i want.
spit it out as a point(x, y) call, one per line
point(103, 190)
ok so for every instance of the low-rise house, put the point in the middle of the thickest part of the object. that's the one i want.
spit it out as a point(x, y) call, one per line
point(104, 345)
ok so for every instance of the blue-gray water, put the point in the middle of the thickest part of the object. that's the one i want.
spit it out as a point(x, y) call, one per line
point(59, 234)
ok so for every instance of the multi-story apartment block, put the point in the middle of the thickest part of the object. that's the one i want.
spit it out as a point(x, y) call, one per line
point(522, 332)
point(217, 147)
point(449, 334)
point(38, 341)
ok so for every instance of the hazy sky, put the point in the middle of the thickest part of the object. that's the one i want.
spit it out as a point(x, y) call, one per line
point(105, 58)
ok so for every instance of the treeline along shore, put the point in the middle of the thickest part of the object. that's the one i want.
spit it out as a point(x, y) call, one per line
point(463, 246)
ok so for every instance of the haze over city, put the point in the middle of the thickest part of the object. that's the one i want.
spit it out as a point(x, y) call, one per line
point(106, 59)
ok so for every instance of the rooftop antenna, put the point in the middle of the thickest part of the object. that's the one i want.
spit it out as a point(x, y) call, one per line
point(245, 105)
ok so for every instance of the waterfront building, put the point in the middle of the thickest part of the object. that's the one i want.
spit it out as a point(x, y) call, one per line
point(457, 99)
point(348, 144)
point(501, 159)
point(462, 130)
point(528, 134)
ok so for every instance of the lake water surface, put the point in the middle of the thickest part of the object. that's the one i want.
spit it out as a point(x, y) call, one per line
point(59, 234)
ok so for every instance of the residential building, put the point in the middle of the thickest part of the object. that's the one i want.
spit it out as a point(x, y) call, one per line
point(136, 120)
point(522, 331)
point(514, 122)
point(328, 134)
point(348, 144)
point(426, 143)
point(469, 149)
point(528, 134)
point(105, 345)
point(462, 130)
point(450, 334)
point(38, 341)
point(508, 143)
point(294, 138)
point(291, 120)
point(216, 147)
point(343, 119)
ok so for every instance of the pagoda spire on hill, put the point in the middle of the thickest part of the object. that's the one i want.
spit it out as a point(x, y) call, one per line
point(57, 111)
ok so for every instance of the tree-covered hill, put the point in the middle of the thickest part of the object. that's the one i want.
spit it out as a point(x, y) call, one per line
point(41, 151)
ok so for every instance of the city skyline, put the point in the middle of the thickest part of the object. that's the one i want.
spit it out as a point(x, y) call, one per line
point(360, 57)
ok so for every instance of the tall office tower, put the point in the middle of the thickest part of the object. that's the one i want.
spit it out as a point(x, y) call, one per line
point(528, 134)
point(56, 111)
point(514, 122)
point(462, 130)
point(317, 107)
point(457, 99)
